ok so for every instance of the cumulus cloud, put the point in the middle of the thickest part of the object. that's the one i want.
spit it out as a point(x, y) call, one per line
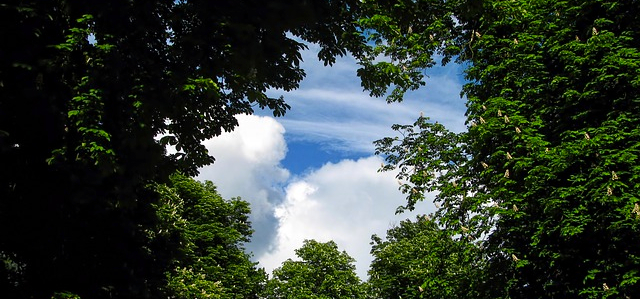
point(345, 202)
point(248, 166)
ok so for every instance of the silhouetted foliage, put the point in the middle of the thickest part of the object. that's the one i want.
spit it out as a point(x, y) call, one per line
point(87, 87)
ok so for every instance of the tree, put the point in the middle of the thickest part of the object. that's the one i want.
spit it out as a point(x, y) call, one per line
point(85, 90)
point(420, 260)
point(209, 234)
point(546, 173)
point(322, 272)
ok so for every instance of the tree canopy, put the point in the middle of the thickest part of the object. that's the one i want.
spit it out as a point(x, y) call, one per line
point(545, 178)
point(208, 234)
point(91, 93)
point(418, 259)
point(322, 272)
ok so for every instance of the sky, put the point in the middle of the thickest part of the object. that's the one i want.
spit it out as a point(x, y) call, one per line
point(312, 174)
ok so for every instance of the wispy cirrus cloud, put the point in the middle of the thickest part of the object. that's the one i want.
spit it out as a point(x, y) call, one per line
point(331, 109)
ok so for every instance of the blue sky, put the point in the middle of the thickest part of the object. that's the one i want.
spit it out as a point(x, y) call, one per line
point(312, 174)
point(333, 119)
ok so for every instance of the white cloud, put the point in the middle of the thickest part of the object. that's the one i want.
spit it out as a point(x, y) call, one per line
point(248, 165)
point(345, 202)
